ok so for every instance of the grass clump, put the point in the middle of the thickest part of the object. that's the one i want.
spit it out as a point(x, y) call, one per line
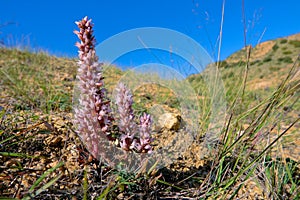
point(285, 59)
point(275, 47)
point(283, 41)
point(267, 59)
point(27, 77)
point(287, 52)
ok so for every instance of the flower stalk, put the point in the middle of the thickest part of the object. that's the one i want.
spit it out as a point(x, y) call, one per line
point(93, 115)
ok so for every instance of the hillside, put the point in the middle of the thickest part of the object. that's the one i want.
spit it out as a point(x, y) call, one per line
point(264, 49)
point(269, 61)
point(42, 157)
point(268, 65)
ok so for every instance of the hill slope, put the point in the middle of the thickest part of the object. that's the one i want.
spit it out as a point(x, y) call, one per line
point(268, 64)
point(41, 157)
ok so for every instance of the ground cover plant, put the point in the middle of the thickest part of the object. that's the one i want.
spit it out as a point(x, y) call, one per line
point(43, 156)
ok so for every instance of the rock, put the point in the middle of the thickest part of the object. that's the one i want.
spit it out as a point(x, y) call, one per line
point(170, 121)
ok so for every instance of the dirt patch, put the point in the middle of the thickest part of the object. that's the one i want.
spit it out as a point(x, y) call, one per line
point(260, 84)
point(257, 52)
point(294, 37)
point(262, 49)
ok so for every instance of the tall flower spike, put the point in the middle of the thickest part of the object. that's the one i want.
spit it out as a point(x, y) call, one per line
point(93, 114)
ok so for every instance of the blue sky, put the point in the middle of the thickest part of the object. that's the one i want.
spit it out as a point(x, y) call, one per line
point(49, 25)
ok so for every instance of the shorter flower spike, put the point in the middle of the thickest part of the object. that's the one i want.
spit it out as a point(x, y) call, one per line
point(127, 126)
point(124, 103)
point(145, 133)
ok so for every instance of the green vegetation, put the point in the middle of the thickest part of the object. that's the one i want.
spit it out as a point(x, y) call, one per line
point(267, 59)
point(285, 59)
point(296, 43)
point(222, 64)
point(255, 62)
point(283, 41)
point(28, 77)
point(287, 52)
point(275, 47)
point(42, 157)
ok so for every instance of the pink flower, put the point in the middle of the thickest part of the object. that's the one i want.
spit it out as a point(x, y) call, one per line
point(93, 114)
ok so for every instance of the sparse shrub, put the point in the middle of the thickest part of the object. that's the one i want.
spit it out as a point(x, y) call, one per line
point(267, 59)
point(287, 52)
point(275, 47)
point(286, 59)
point(261, 76)
point(296, 43)
point(283, 41)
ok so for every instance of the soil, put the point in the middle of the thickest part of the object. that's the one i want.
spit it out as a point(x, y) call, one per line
point(48, 141)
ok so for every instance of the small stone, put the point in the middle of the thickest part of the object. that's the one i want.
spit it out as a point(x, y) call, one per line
point(120, 196)
point(170, 121)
